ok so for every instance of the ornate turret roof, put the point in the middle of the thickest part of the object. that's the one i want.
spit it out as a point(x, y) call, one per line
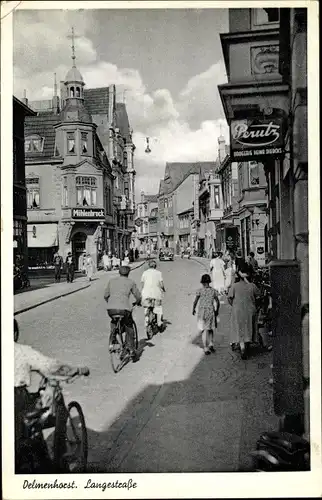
point(73, 75)
point(75, 111)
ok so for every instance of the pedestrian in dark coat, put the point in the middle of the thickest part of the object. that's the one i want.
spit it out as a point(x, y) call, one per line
point(136, 254)
point(58, 262)
point(70, 267)
point(131, 255)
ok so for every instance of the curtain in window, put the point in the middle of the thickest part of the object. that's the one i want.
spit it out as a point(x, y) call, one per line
point(87, 196)
point(79, 195)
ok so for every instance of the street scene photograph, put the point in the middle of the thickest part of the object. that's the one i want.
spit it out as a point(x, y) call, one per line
point(160, 241)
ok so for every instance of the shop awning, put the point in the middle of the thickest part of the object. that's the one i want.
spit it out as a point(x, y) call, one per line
point(42, 235)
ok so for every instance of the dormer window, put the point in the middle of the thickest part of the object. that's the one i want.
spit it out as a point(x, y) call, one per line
point(84, 143)
point(71, 142)
point(34, 144)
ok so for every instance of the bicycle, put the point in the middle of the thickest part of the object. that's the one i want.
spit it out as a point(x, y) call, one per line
point(70, 442)
point(152, 325)
point(120, 353)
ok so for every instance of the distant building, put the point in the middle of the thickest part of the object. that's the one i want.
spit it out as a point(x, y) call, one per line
point(20, 111)
point(146, 222)
point(178, 203)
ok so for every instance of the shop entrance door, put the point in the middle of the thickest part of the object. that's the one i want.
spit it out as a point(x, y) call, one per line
point(78, 247)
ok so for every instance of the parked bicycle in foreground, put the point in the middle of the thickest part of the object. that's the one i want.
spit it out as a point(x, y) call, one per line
point(69, 449)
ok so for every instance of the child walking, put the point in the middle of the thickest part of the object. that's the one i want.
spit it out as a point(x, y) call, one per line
point(207, 312)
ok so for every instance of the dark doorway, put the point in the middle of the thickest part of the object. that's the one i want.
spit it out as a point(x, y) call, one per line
point(78, 247)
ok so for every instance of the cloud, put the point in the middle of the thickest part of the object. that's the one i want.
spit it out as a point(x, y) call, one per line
point(182, 128)
point(199, 99)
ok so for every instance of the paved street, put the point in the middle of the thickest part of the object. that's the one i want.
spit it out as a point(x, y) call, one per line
point(175, 409)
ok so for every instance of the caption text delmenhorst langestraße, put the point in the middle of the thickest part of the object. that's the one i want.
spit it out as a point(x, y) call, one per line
point(88, 484)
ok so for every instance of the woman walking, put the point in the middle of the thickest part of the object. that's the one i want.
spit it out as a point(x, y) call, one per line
point(242, 297)
point(89, 266)
point(207, 313)
point(217, 269)
point(229, 275)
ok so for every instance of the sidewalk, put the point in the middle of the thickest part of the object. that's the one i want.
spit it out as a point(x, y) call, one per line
point(30, 299)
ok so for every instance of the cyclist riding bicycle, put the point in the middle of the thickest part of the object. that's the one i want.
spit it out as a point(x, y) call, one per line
point(117, 295)
point(152, 292)
point(28, 360)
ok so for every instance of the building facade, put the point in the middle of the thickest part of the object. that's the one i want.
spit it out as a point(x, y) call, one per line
point(80, 174)
point(20, 111)
point(265, 103)
point(179, 204)
point(146, 222)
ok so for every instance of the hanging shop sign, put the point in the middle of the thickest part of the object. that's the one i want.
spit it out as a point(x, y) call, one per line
point(256, 138)
point(138, 222)
point(88, 213)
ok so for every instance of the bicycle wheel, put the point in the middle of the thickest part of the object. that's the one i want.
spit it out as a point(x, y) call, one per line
point(75, 457)
point(136, 338)
point(116, 351)
point(149, 326)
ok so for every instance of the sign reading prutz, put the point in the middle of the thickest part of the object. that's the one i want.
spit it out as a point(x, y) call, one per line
point(88, 213)
point(256, 138)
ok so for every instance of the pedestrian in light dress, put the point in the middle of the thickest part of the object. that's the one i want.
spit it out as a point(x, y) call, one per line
point(208, 310)
point(89, 266)
point(242, 296)
point(217, 269)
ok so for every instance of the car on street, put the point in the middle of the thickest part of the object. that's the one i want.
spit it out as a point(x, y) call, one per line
point(166, 254)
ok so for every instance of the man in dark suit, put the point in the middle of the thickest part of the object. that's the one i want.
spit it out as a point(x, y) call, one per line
point(70, 267)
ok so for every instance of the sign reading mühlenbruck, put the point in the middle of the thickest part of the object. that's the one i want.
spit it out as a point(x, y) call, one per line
point(256, 138)
point(88, 213)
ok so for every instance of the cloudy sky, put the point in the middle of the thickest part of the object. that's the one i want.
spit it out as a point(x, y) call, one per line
point(166, 64)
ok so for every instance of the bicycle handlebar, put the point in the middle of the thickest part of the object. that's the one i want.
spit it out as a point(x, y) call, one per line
point(80, 372)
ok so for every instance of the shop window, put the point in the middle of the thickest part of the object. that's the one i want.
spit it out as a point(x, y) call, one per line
point(86, 191)
point(216, 197)
point(65, 192)
point(33, 192)
point(84, 143)
point(265, 16)
point(34, 144)
point(71, 142)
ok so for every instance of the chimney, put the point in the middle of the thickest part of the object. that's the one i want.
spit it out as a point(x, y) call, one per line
point(55, 101)
point(24, 99)
point(62, 93)
point(221, 148)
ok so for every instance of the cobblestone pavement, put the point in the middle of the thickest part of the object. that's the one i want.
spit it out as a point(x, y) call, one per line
point(175, 409)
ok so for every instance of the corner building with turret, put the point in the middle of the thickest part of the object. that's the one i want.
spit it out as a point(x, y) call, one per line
point(80, 174)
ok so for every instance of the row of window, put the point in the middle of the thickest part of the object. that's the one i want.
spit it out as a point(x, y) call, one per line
point(86, 192)
point(184, 222)
point(166, 203)
point(35, 143)
point(169, 221)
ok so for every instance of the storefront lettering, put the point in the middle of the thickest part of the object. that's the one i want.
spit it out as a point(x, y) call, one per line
point(253, 134)
point(87, 213)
